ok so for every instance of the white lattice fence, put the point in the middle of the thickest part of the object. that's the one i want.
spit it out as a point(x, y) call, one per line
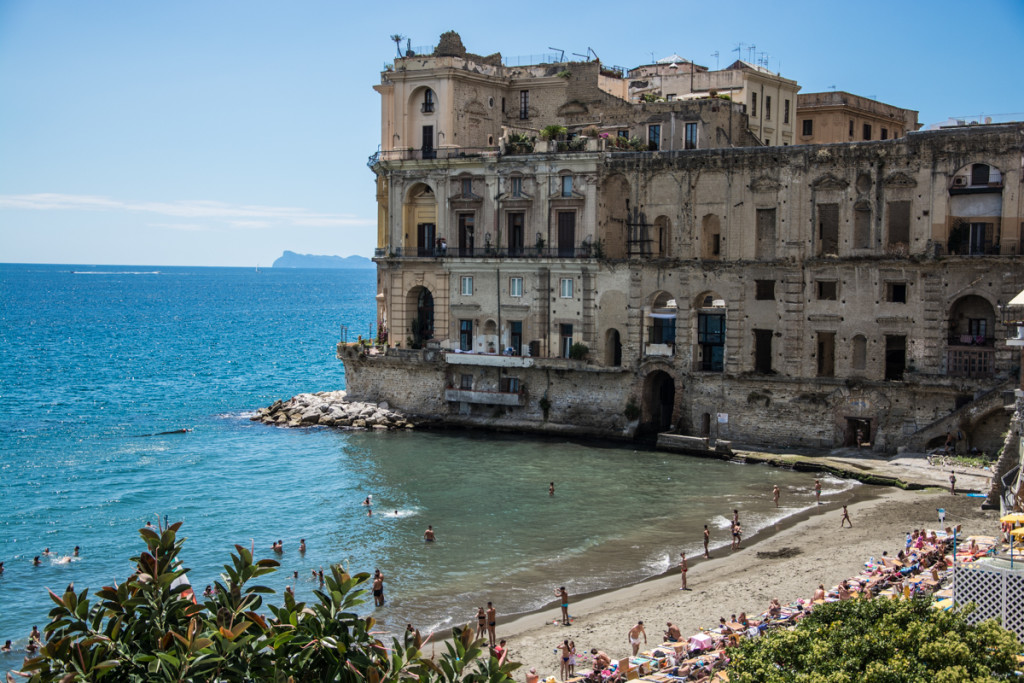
point(997, 592)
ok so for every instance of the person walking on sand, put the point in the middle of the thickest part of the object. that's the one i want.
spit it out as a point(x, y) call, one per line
point(845, 519)
point(683, 568)
point(492, 623)
point(952, 483)
point(707, 538)
point(563, 599)
point(775, 495)
point(566, 653)
point(817, 491)
point(634, 636)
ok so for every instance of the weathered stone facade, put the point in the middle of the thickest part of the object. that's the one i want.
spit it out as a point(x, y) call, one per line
point(803, 295)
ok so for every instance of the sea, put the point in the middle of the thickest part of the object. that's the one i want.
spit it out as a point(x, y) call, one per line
point(101, 367)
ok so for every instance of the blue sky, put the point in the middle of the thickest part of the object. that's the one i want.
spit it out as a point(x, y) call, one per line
point(223, 133)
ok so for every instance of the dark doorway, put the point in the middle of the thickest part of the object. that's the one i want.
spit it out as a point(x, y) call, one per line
point(516, 337)
point(423, 323)
point(895, 357)
point(466, 228)
point(858, 432)
point(566, 234)
point(516, 241)
point(659, 400)
point(613, 349)
point(565, 332)
point(763, 351)
point(705, 425)
point(426, 239)
point(466, 335)
point(428, 143)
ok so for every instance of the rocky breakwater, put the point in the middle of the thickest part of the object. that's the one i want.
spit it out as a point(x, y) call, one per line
point(331, 409)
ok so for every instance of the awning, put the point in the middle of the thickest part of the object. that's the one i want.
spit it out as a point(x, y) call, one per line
point(663, 316)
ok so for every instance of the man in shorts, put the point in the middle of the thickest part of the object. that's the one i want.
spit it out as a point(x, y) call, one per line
point(634, 636)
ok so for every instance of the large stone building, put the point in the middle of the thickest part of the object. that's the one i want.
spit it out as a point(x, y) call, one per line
point(796, 295)
point(841, 117)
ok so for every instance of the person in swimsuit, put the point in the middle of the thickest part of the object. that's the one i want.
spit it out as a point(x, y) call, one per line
point(551, 489)
point(500, 652)
point(952, 483)
point(775, 495)
point(817, 491)
point(820, 593)
point(673, 634)
point(481, 622)
point(531, 676)
point(428, 535)
point(564, 601)
point(492, 622)
point(378, 588)
point(302, 545)
point(845, 519)
point(634, 636)
point(707, 538)
point(566, 658)
point(683, 568)
point(601, 659)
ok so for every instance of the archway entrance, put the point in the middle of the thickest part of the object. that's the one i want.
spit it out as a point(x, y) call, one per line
point(659, 400)
point(613, 348)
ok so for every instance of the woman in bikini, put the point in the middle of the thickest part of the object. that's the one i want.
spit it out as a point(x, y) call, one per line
point(481, 623)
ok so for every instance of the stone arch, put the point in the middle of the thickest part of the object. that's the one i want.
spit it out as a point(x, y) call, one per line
point(420, 115)
point(613, 208)
point(419, 220)
point(661, 318)
point(972, 320)
point(419, 311)
point(659, 396)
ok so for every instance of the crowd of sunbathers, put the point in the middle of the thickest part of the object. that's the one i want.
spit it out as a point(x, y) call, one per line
point(920, 568)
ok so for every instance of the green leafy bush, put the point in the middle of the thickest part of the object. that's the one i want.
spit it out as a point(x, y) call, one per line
point(877, 640)
point(145, 629)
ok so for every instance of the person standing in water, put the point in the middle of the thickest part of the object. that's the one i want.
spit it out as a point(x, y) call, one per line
point(817, 491)
point(428, 535)
point(775, 495)
point(378, 588)
point(707, 538)
point(551, 489)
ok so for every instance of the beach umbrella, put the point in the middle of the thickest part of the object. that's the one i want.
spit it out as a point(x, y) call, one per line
point(1013, 517)
point(1019, 531)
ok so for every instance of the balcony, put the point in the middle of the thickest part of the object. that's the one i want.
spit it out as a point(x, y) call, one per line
point(575, 252)
point(491, 398)
point(488, 360)
point(432, 153)
point(970, 340)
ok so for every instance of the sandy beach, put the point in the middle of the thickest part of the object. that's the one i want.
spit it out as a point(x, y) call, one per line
point(787, 565)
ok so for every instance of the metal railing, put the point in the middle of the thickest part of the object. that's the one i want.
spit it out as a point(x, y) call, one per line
point(432, 153)
point(970, 340)
point(583, 251)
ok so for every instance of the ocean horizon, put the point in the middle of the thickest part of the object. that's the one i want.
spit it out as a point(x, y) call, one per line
point(103, 365)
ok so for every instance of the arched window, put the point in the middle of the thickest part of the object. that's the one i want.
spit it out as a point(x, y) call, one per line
point(428, 101)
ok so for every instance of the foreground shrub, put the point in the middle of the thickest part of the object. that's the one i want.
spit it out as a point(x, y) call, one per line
point(147, 629)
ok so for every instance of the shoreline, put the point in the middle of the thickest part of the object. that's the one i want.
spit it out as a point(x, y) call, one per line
point(787, 562)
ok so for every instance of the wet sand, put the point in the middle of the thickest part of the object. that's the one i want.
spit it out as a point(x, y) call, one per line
point(787, 565)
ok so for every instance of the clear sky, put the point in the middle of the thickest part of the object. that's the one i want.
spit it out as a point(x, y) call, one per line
point(222, 133)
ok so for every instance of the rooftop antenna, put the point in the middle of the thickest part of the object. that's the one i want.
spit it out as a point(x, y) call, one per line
point(586, 57)
point(832, 88)
point(561, 53)
point(751, 51)
point(762, 59)
point(739, 50)
point(590, 51)
point(715, 55)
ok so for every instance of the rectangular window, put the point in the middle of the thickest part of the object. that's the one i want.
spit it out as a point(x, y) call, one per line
point(851, 128)
point(899, 223)
point(867, 131)
point(467, 286)
point(502, 105)
point(753, 105)
point(711, 342)
point(691, 136)
point(885, 134)
point(566, 234)
point(671, 97)
point(764, 250)
point(466, 382)
point(826, 354)
point(767, 107)
point(785, 111)
point(895, 357)
point(808, 127)
point(524, 104)
point(827, 290)
point(466, 335)
point(567, 186)
point(623, 134)
point(515, 340)
point(517, 186)
point(653, 138)
point(510, 385)
point(565, 288)
point(764, 290)
point(467, 222)
point(515, 286)
point(896, 292)
point(467, 187)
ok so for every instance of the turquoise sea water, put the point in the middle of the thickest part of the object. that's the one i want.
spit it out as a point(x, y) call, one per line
point(95, 360)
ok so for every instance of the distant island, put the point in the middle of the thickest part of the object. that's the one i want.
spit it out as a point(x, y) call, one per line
point(292, 260)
